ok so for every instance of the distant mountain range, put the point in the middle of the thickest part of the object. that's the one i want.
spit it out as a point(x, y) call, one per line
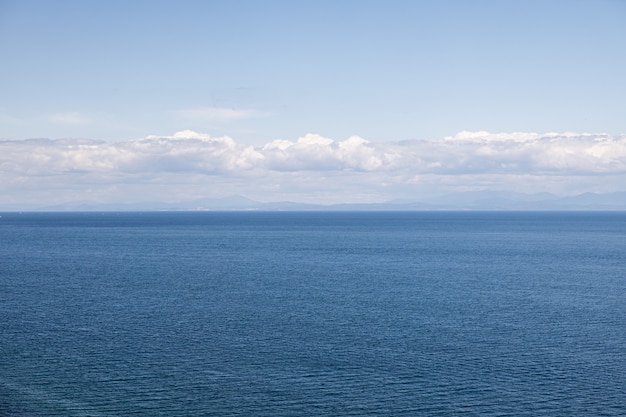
point(473, 200)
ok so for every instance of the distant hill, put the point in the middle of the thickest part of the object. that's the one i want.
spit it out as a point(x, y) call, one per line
point(474, 200)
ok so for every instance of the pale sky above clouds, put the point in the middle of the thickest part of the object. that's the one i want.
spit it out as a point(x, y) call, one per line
point(309, 101)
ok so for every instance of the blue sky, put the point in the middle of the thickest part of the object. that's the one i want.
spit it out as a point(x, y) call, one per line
point(261, 71)
point(382, 70)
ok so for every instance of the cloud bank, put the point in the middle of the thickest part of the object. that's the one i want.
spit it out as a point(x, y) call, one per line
point(188, 151)
point(315, 166)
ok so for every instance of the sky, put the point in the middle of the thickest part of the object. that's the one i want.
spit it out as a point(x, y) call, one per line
point(316, 101)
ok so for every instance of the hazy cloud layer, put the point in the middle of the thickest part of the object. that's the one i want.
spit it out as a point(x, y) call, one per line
point(314, 164)
point(219, 114)
point(188, 151)
point(70, 118)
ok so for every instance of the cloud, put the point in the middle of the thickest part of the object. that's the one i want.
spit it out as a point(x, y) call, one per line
point(219, 114)
point(189, 151)
point(318, 166)
point(519, 153)
point(314, 152)
point(70, 118)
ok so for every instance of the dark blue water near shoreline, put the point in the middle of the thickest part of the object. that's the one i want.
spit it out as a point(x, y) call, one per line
point(282, 314)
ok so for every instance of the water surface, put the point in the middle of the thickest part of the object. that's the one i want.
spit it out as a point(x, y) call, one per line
point(282, 314)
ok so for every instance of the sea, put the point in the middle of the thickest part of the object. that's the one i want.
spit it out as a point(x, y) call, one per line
point(313, 314)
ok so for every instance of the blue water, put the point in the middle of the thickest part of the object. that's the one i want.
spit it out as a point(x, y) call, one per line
point(336, 314)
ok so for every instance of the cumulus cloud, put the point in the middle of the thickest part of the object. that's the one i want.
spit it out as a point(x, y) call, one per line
point(314, 152)
point(316, 162)
point(183, 152)
point(517, 153)
point(189, 151)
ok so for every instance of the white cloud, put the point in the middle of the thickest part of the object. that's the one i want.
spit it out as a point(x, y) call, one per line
point(70, 118)
point(219, 114)
point(314, 152)
point(464, 153)
point(317, 166)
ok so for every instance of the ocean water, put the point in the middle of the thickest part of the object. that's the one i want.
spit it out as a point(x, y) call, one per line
point(321, 314)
